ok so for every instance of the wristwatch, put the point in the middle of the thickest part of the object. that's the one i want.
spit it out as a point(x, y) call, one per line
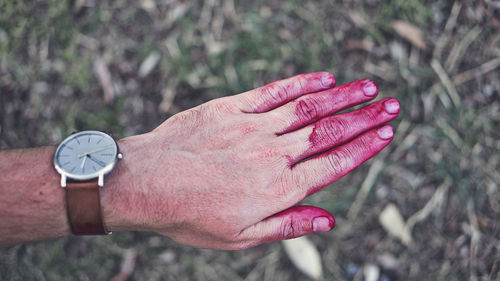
point(82, 160)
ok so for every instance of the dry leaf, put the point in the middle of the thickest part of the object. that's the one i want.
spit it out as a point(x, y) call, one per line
point(78, 5)
point(102, 72)
point(148, 5)
point(358, 19)
point(128, 265)
point(411, 33)
point(168, 99)
point(149, 64)
point(394, 224)
point(304, 255)
point(371, 272)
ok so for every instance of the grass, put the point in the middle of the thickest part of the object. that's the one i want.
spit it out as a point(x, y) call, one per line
point(49, 88)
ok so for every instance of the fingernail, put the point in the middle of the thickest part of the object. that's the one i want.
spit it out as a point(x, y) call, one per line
point(322, 224)
point(391, 106)
point(385, 132)
point(369, 88)
point(327, 80)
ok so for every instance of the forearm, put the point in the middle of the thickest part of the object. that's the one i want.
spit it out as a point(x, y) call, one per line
point(32, 205)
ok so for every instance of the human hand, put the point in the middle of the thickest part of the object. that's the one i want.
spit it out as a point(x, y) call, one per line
point(229, 173)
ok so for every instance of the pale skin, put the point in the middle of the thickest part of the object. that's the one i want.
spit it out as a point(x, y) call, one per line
point(227, 174)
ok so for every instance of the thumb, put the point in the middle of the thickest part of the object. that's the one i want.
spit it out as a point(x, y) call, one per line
point(292, 223)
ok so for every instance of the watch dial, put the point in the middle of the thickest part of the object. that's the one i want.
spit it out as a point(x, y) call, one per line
point(86, 154)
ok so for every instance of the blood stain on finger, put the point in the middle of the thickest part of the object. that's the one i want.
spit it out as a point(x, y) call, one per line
point(306, 213)
point(311, 108)
point(283, 91)
point(315, 143)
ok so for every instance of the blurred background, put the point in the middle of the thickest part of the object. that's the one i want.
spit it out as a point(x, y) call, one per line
point(426, 208)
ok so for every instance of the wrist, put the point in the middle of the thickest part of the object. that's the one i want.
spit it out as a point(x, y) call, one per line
point(116, 185)
point(123, 193)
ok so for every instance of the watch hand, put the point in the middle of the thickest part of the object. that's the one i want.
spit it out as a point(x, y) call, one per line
point(94, 151)
point(100, 163)
point(83, 163)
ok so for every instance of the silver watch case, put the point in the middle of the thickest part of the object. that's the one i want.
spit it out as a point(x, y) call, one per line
point(99, 174)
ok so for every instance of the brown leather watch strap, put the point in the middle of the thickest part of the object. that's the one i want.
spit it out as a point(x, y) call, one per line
point(84, 208)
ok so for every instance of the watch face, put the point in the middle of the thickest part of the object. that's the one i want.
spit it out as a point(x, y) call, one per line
point(86, 155)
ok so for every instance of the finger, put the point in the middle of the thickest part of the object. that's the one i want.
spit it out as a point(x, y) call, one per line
point(337, 129)
point(280, 92)
point(313, 174)
point(292, 223)
point(310, 108)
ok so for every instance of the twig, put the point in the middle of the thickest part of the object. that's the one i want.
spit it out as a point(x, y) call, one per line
point(397, 171)
point(458, 50)
point(475, 237)
point(446, 81)
point(450, 23)
point(433, 203)
point(429, 101)
point(385, 73)
point(477, 71)
point(366, 186)
point(87, 41)
point(406, 142)
point(460, 79)
point(437, 90)
point(451, 133)
point(206, 14)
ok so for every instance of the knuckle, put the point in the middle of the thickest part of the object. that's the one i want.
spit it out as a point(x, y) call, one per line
point(286, 188)
point(362, 145)
point(368, 114)
point(287, 229)
point(300, 83)
point(275, 92)
point(338, 161)
point(222, 105)
point(308, 109)
point(333, 129)
point(189, 118)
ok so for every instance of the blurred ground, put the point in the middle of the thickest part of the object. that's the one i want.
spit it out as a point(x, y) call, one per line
point(125, 66)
